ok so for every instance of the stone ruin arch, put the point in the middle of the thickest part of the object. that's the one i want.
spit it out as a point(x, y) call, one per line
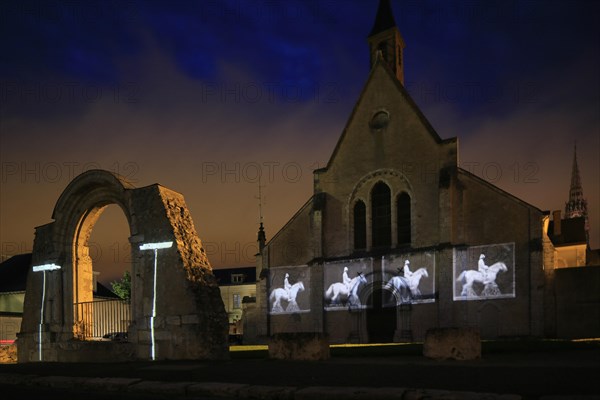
point(190, 323)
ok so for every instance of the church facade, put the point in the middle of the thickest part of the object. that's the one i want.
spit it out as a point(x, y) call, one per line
point(397, 238)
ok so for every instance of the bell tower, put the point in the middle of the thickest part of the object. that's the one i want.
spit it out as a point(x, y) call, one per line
point(385, 38)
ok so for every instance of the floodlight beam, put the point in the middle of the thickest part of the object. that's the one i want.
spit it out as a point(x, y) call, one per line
point(42, 317)
point(155, 247)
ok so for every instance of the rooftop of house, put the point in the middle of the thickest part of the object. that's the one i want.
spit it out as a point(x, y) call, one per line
point(13, 276)
point(235, 276)
point(13, 273)
point(571, 232)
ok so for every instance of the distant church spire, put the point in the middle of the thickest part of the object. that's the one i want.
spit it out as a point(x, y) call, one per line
point(577, 205)
point(385, 38)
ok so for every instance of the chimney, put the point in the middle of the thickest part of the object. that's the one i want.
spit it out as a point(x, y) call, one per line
point(557, 222)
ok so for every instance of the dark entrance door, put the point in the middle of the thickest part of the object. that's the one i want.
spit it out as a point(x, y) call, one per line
point(381, 321)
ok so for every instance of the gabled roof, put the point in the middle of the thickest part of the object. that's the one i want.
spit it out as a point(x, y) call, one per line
point(308, 203)
point(486, 183)
point(380, 63)
point(224, 275)
point(572, 231)
point(13, 273)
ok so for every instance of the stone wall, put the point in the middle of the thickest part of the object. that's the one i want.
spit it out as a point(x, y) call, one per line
point(8, 354)
point(452, 343)
point(191, 322)
point(292, 245)
point(299, 346)
point(451, 210)
point(577, 293)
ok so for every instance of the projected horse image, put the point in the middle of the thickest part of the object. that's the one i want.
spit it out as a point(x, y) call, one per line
point(345, 294)
point(486, 276)
point(288, 295)
point(406, 288)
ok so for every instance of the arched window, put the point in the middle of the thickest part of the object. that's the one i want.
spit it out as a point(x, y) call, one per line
point(403, 214)
point(384, 50)
point(360, 225)
point(381, 215)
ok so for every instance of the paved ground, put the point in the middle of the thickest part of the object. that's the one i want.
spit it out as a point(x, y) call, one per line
point(561, 374)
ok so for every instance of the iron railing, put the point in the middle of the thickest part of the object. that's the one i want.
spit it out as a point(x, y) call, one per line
point(102, 319)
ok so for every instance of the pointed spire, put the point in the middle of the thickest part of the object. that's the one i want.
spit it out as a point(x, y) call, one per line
point(577, 204)
point(385, 41)
point(576, 189)
point(384, 19)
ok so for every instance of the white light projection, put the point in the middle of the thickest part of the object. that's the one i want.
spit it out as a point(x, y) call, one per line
point(484, 272)
point(43, 268)
point(343, 283)
point(155, 247)
point(289, 291)
point(408, 278)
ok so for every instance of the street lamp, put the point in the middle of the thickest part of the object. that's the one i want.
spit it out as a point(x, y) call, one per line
point(43, 268)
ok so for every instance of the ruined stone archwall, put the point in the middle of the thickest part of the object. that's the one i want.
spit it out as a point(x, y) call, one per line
point(191, 322)
point(189, 306)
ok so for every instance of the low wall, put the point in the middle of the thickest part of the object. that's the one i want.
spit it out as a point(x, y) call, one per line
point(577, 302)
point(452, 343)
point(8, 354)
point(299, 346)
point(10, 324)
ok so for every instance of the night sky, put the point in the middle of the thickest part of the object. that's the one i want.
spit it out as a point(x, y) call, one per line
point(201, 96)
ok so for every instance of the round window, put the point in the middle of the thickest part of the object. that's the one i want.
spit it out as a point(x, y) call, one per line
point(380, 120)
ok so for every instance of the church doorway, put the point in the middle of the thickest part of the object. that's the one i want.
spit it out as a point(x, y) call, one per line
point(381, 321)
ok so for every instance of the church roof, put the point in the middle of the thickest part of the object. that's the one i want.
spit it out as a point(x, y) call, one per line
point(380, 63)
point(384, 19)
point(572, 231)
point(486, 183)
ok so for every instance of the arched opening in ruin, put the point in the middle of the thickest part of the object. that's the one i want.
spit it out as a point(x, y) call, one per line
point(109, 246)
point(104, 237)
point(181, 318)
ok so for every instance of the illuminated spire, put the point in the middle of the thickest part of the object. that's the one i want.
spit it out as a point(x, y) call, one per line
point(577, 205)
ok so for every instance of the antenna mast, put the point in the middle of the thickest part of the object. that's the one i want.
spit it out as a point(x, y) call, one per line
point(262, 238)
point(260, 214)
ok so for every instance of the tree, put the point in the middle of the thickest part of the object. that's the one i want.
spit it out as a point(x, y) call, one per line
point(122, 288)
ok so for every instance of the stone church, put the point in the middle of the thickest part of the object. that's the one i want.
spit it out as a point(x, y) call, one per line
point(397, 238)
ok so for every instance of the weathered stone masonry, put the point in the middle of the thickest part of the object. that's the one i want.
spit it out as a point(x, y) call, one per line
point(191, 321)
